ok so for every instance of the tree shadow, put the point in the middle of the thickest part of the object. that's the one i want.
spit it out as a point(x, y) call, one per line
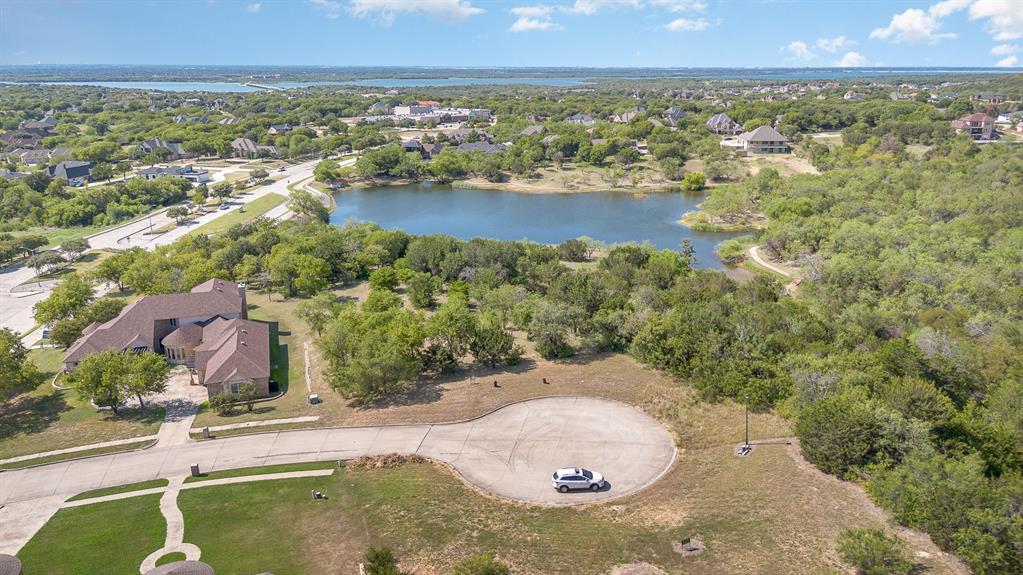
point(29, 415)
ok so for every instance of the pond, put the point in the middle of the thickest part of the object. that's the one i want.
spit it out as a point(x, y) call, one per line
point(610, 217)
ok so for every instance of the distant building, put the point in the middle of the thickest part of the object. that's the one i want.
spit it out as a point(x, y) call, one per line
point(763, 140)
point(674, 116)
point(978, 126)
point(70, 170)
point(989, 98)
point(581, 119)
point(246, 148)
point(44, 127)
point(466, 134)
point(279, 129)
point(413, 145)
point(722, 124)
point(196, 176)
point(164, 149)
point(431, 151)
point(533, 130)
point(853, 96)
point(485, 147)
point(205, 329)
point(229, 121)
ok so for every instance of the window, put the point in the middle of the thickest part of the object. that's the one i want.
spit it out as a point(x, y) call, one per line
point(174, 321)
point(233, 387)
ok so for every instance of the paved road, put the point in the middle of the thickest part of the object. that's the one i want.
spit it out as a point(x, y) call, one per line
point(16, 307)
point(510, 453)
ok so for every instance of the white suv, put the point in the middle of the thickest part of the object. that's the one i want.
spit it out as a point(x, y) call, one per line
point(568, 478)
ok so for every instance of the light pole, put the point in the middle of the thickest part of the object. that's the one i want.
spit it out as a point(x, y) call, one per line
point(745, 444)
point(151, 219)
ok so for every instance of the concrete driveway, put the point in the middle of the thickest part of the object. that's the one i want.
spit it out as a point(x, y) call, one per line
point(510, 453)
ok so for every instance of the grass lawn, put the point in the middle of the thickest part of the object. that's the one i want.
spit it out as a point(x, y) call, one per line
point(247, 471)
point(77, 454)
point(152, 483)
point(44, 419)
point(87, 263)
point(171, 558)
point(112, 537)
point(253, 210)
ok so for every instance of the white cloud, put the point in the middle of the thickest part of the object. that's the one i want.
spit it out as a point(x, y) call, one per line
point(686, 25)
point(1003, 49)
point(799, 50)
point(1008, 62)
point(680, 5)
point(533, 18)
point(254, 8)
point(446, 10)
point(912, 26)
point(834, 44)
point(332, 8)
point(851, 60)
point(1004, 17)
point(942, 9)
point(591, 7)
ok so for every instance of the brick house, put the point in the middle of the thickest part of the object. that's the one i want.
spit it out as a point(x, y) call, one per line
point(978, 126)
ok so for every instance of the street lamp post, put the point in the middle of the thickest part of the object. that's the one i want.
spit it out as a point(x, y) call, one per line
point(151, 219)
point(745, 443)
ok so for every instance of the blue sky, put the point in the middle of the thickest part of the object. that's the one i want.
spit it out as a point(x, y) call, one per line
point(600, 33)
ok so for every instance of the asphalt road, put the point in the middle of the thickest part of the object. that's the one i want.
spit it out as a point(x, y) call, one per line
point(510, 453)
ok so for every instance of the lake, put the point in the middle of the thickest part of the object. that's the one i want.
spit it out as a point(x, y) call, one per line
point(610, 217)
point(228, 87)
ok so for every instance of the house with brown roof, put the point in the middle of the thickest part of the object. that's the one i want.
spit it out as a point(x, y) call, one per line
point(205, 329)
point(763, 140)
point(978, 126)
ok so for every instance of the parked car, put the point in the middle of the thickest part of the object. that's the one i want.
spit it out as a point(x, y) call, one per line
point(568, 478)
point(281, 169)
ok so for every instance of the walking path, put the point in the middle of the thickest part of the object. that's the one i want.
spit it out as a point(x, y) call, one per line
point(509, 453)
point(260, 423)
point(784, 270)
point(175, 540)
point(90, 447)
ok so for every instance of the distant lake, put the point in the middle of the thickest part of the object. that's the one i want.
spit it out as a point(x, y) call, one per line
point(441, 82)
point(611, 217)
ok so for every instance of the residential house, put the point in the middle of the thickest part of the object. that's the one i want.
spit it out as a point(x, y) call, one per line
point(989, 98)
point(20, 139)
point(183, 119)
point(11, 176)
point(627, 116)
point(70, 170)
point(229, 121)
point(853, 96)
point(279, 129)
point(763, 140)
point(431, 151)
point(164, 149)
point(978, 126)
point(466, 134)
point(674, 116)
point(548, 139)
point(378, 108)
point(485, 147)
point(196, 176)
point(246, 148)
point(413, 145)
point(30, 156)
point(722, 124)
point(479, 114)
point(532, 130)
point(44, 127)
point(657, 123)
point(581, 119)
point(205, 329)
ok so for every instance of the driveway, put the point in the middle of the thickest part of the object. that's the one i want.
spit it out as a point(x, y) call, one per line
point(510, 453)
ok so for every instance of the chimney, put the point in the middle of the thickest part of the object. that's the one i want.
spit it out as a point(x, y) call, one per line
point(245, 305)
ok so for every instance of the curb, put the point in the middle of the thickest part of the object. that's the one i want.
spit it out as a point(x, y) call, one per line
point(70, 459)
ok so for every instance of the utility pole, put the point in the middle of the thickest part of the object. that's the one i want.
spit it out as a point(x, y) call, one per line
point(745, 444)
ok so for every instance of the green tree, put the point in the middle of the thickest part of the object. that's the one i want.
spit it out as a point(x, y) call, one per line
point(99, 378)
point(839, 433)
point(145, 373)
point(308, 205)
point(179, 213)
point(222, 403)
point(69, 297)
point(16, 371)
point(490, 343)
point(421, 288)
point(384, 278)
point(247, 393)
point(380, 561)
point(113, 268)
point(872, 552)
point(694, 182)
point(548, 329)
point(316, 312)
point(74, 248)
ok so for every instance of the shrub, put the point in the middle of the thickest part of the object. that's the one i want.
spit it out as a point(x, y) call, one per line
point(222, 403)
point(871, 552)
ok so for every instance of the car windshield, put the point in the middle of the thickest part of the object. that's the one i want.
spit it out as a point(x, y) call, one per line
point(587, 474)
